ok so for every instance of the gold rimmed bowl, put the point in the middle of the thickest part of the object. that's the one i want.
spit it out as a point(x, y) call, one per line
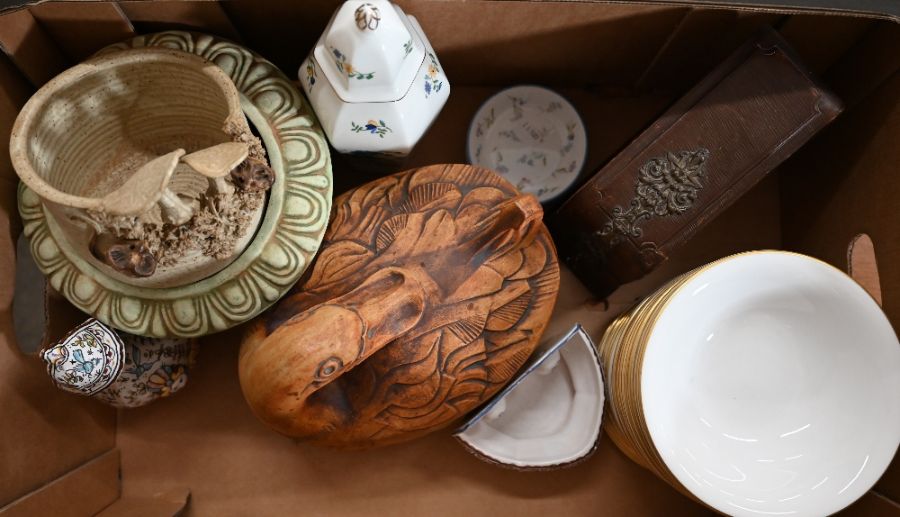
point(766, 383)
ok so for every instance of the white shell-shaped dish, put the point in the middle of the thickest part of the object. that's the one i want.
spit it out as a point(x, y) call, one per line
point(548, 417)
point(533, 137)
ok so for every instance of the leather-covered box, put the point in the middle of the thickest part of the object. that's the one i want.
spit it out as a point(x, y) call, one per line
point(740, 122)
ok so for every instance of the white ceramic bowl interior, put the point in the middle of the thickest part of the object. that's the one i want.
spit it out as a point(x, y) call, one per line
point(771, 386)
point(551, 417)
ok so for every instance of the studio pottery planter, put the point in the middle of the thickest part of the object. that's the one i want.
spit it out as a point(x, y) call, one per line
point(432, 288)
point(284, 230)
point(130, 154)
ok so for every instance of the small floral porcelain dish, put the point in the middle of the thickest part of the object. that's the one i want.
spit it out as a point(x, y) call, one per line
point(533, 137)
point(374, 80)
point(122, 370)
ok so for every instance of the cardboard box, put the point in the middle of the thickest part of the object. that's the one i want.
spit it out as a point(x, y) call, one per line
point(621, 64)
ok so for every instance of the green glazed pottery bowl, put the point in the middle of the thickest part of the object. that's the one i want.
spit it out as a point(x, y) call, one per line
point(285, 242)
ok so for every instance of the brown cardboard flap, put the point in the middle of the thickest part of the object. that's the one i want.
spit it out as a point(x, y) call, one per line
point(84, 490)
point(804, 33)
point(82, 28)
point(887, 9)
point(570, 46)
point(204, 16)
point(30, 48)
point(44, 431)
point(168, 503)
point(687, 55)
point(868, 64)
point(862, 266)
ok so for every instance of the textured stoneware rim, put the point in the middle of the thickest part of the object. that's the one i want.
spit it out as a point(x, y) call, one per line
point(285, 243)
point(25, 122)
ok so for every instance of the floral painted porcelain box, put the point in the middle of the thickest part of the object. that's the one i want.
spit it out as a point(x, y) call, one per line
point(374, 79)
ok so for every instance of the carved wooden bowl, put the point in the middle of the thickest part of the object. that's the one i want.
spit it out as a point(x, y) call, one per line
point(432, 288)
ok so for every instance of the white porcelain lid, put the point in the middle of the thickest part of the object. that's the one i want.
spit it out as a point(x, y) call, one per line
point(369, 52)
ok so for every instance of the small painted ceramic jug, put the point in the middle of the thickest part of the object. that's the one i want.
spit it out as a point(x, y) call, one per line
point(374, 80)
point(121, 370)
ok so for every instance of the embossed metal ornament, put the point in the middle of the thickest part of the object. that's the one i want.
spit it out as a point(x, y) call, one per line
point(666, 186)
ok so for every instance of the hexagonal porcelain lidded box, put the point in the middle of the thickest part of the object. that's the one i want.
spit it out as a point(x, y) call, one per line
point(374, 80)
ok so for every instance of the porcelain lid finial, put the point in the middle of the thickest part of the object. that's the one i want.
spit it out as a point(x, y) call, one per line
point(367, 16)
point(370, 52)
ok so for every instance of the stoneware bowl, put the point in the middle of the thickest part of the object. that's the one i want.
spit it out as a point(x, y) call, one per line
point(286, 238)
point(767, 383)
point(374, 80)
point(81, 141)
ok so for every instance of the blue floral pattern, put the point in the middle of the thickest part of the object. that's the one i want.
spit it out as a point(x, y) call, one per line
point(432, 82)
point(376, 127)
point(340, 60)
point(407, 48)
point(310, 73)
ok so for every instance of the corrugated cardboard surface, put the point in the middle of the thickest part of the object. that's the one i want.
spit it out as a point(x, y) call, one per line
point(621, 65)
point(82, 491)
point(44, 433)
point(235, 466)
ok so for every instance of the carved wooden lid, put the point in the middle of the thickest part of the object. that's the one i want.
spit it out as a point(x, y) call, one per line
point(431, 290)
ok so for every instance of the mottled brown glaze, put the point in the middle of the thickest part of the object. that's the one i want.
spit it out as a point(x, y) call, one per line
point(128, 256)
point(432, 288)
point(253, 175)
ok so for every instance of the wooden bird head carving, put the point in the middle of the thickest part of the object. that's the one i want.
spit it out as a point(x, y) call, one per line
point(432, 288)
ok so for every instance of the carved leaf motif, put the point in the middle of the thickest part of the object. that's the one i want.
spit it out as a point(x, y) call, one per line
point(389, 231)
point(336, 262)
point(431, 195)
point(508, 314)
point(666, 186)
